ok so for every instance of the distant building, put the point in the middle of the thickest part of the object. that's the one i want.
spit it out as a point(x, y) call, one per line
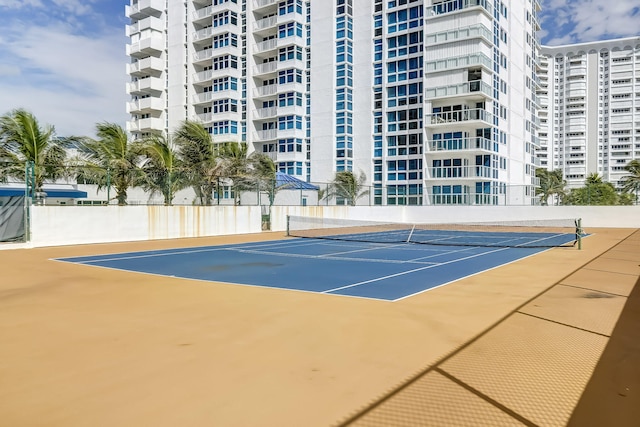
point(590, 115)
point(434, 101)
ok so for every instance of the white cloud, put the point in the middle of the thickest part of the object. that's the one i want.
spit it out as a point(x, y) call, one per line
point(69, 81)
point(579, 21)
point(77, 7)
point(19, 4)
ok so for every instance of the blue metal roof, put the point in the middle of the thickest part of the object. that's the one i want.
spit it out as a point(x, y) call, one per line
point(288, 182)
point(59, 193)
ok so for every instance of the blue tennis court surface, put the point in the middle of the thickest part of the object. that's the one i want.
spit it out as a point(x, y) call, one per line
point(369, 270)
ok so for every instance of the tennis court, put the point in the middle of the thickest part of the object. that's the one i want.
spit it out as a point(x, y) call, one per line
point(378, 262)
point(83, 344)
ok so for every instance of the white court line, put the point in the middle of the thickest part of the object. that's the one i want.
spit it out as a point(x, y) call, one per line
point(156, 253)
point(411, 271)
point(136, 256)
point(462, 249)
point(363, 250)
point(327, 257)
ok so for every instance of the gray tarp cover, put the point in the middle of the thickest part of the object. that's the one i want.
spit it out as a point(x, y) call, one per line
point(12, 219)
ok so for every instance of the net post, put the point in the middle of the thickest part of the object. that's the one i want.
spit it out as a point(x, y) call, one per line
point(288, 218)
point(579, 232)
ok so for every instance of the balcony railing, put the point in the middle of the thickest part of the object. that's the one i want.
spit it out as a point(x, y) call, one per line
point(458, 62)
point(147, 85)
point(144, 7)
point(457, 144)
point(145, 125)
point(457, 5)
point(477, 86)
point(266, 45)
point(267, 135)
point(460, 116)
point(145, 104)
point(448, 172)
point(263, 113)
point(143, 24)
point(205, 12)
point(257, 4)
point(146, 46)
point(146, 64)
point(265, 23)
point(472, 31)
point(268, 67)
point(265, 90)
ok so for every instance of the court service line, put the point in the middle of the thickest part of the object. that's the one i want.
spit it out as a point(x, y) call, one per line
point(411, 271)
point(289, 255)
point(210, 249)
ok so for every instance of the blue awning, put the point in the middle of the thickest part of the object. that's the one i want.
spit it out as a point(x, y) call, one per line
point(58, 193)
point(288, 182)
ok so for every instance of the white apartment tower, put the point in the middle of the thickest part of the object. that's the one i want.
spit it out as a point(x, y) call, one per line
point(434, 101)
point(591, 104)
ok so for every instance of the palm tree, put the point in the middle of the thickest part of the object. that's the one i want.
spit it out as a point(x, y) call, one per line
point(22, 141)
point(596, 192)
point(111, 160)
point(162, 168)
point(263, 172)
point(235, 166)
point(348, 186)
point(631, 182)
point(551, 184)
point(199, 159)
point(593, 178)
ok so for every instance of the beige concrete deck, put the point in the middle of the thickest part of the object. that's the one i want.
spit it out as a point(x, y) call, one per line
point(514, 345)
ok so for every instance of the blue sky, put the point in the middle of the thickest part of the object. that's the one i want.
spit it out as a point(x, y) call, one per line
point(64, 60)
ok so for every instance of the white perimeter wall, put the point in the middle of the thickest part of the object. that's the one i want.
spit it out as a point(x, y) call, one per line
point(64, 225)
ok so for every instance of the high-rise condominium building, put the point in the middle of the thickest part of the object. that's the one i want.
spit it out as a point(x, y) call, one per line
point(590, 111)
point(434, 101)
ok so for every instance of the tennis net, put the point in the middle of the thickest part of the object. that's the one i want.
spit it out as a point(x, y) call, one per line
point(546, 233)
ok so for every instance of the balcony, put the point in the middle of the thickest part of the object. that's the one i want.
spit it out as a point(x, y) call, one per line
point(576, 71)
point(447, 118)
point(150, 22)
point(202, 14)
point(207, 97)
point(150, 85)
point(145, 105)
point(264, 91)
point(291, 63)
point(460, 172)
point(266, 135)
point(464, 61)
point(461, 144)
point(265, 23)
point(266, 46)
point(265, 113)
point(266, 68)
point(145, 47)
point(454, 6)
point(463, 33)
point(208, 54)
point(260, 4)
point(144, 8)
point(291, 87)
point(146, 125)
point(217, 117)
point(478, 88)
point(146, 66)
